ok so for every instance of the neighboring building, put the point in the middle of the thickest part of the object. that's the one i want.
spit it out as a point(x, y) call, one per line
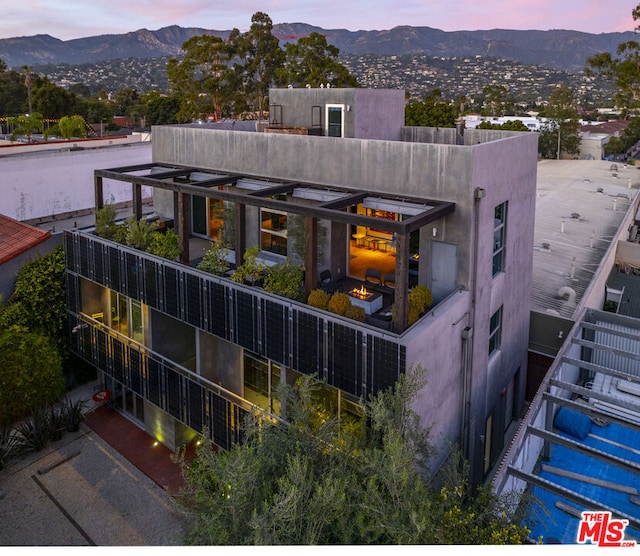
point(594, 136)
point(584, 212)
point(183, 350)
point(52, 181)
point(19, 244)
point(576, 448)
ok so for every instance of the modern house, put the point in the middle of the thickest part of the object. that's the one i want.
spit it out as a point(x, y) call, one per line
point(183, 350)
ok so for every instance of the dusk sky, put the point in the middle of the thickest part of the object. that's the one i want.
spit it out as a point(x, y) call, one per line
point(70, 19)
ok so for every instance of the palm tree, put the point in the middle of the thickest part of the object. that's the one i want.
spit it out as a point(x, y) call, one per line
point(27, 83)
point(25, 125)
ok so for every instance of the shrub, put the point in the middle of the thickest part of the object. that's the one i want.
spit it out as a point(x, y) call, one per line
point(418, 301)
point(139, 233)
point(285, 280)
point(215, 260)
point(31, 376)
point(11, 445)
point(166, 245)
point(319, 298)
point(71, 413)
point(355, 312)
point(106, 222)
point(36, 429)
point(251, 268)
point(339, 303)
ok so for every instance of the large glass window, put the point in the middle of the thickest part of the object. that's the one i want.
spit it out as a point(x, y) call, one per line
point(495, 331)
point(499, 232)
point(261, 380)
point(127, 316)
point(273, 231)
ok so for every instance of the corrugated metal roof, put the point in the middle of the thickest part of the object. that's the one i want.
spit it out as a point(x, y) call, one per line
point(17, 237)
point(574, 225)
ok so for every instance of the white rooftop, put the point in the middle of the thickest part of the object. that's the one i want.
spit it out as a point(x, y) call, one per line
point(579, 207)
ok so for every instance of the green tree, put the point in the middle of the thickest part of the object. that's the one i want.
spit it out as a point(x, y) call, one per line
point(615, 145)
point(13, 92)
point(623, 71)
point(51, 100)
point(162, 110)
point(497, 101)
point(434, 111)
point(30, 375)
point(260, 57)
point(28, 83)
point(202, 77)
point(312, 61)
point(562, 125)
point(72, 126)
point(322, 480)
point(80, 90)
point(25, 125)
point(511, 125)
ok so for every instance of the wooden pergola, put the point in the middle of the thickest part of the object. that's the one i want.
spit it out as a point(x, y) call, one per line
point(340, 209)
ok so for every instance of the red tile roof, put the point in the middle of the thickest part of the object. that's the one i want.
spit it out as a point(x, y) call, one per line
point(16, 238)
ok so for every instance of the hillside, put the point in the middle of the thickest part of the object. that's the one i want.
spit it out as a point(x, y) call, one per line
point(557, 49)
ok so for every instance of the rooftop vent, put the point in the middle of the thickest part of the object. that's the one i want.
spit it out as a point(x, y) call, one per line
point(575, 215)
point(599, 190)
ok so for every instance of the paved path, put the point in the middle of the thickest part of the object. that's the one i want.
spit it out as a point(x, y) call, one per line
point(81, 492)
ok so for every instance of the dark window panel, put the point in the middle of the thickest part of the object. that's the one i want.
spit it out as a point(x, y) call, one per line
point(246, 321)
point(174, 393)
point(275, 332)
point(307, 343)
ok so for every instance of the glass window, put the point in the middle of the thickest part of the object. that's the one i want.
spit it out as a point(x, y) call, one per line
point(499, 231)
point(495, 331)
point(273, 228)
point(334, 121)
point(127, 316)
point(136, 330)
point(261, 380)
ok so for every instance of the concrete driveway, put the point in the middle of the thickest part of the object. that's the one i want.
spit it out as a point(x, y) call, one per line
point(81, 492)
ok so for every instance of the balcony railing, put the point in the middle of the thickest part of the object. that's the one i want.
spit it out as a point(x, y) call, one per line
point(354, 357)
point(185, 395)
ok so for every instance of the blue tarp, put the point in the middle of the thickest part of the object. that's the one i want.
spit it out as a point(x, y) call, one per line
point(555, 525)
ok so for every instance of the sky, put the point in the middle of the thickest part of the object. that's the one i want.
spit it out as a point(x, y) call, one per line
point(72, 19)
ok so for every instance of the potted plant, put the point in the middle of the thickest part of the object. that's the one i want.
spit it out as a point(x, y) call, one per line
point(215, 260)
point(251, 271)
point(418, 301)
point(285, 280)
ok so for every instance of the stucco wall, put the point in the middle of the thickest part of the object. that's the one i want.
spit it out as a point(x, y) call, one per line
point(43, 184)
point(368, 114)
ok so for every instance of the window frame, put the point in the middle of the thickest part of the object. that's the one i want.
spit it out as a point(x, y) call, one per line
point(499, 239)
point(495, 331)
point(281, 232)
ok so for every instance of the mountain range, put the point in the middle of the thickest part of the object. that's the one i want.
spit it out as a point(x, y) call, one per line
point(557, 49)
